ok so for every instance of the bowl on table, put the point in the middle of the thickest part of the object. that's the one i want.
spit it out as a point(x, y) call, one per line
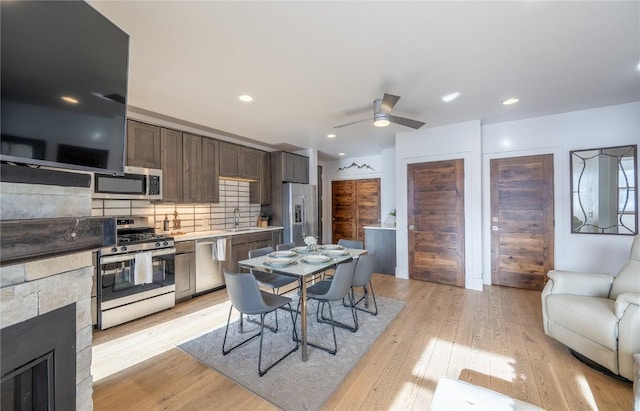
point(279, 262)
point(335, 253)
point(316, 259)
point(282, 254)
point(332, 247)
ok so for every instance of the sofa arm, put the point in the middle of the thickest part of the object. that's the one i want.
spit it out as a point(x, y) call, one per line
point(623, 301)
point(571, 282)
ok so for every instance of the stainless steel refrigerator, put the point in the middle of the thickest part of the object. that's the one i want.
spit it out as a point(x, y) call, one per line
point(300, 212)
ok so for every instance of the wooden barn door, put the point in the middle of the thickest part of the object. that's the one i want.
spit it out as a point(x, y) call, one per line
point(343, 209)
point(436, 221)
point(367, 205)
point(355, 204)
point(522, 221)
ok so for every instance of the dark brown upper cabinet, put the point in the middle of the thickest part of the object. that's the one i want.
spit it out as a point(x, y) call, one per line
point(239, 162)
point(229, 160)
point(260, 191)
point(249, 163)
point(171, 142)
point(210, 173)
point(295, 168)
point(190, 168)
point(143, 145)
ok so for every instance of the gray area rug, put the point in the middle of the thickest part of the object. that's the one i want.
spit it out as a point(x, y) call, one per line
point(293, 384)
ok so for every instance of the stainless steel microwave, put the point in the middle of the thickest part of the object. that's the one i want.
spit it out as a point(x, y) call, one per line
point(137, 183)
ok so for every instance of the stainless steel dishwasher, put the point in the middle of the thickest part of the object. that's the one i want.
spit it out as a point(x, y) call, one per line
point(209, 275)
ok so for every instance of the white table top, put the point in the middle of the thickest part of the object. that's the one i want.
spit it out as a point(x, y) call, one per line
point(299, 268)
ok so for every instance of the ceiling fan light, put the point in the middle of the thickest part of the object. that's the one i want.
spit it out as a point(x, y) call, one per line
point(381, 120)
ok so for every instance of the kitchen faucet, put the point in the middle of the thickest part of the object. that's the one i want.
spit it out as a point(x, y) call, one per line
point(236, 218)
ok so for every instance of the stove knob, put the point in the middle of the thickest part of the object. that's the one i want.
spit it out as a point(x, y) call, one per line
point(114, 249)
point(124, 248)
point(165, 243)
point(158, 244)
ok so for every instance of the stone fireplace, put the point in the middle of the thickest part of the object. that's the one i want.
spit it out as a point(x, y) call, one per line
point(36, 288)
point(39, 362)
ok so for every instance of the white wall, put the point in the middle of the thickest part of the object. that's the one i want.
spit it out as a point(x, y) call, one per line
point(477, 145)
point(559, 134)
point(382, 167)
point(456, 141)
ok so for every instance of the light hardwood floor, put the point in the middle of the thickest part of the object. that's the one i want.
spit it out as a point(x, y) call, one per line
point(492, 339)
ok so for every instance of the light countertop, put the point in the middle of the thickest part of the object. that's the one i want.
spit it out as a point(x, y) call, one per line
point(380, 227)
point(221, 233)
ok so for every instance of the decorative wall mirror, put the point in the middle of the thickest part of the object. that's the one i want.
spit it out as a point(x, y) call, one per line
point(604, 195)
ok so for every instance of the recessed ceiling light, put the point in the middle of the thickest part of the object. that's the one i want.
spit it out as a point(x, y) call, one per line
point(246, 98)
point(331, 136)
point(70, 100)
point(510, 101)
point(451, 96)
point(638, 66)
point(340, 154)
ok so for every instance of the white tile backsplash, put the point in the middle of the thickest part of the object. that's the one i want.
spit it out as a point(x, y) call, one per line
point(193, 217)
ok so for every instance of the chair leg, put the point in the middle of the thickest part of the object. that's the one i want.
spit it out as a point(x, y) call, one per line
point(364, 297)
point(295, 336)
point(262, 372)
point(353, 328)
point(226, 331)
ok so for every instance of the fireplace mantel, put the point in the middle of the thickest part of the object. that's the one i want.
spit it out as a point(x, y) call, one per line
point(30, 239)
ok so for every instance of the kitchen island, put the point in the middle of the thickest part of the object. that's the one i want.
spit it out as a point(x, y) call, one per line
point(380, 239)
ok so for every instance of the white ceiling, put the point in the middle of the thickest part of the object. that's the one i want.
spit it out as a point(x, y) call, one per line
point(313, 65)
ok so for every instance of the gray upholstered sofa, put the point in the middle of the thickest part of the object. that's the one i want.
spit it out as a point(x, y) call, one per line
point(597, 315)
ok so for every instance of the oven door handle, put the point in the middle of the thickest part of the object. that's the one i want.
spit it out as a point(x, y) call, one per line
point(130, 256)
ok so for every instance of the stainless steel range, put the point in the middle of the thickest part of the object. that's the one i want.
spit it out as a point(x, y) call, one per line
point(137, 276)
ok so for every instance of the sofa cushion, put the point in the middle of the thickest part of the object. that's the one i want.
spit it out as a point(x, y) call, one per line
point(592, 317)
point(627, 280)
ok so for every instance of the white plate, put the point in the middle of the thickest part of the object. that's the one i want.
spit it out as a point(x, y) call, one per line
point(332, 247)
point(335, 253)
point(316, 259)
point(278, 262)
point(301, 250)
point(281, 254)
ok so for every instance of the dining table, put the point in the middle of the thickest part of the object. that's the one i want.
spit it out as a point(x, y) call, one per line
point(303, 263)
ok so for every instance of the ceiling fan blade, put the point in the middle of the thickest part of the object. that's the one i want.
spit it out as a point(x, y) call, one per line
point(388, 101)
point(406, 122)
point(353, 122)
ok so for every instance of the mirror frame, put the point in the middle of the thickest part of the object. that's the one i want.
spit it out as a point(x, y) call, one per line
point(575, 158)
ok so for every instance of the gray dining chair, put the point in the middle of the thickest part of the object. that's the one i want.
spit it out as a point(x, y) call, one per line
point(351, 243)
point(324, 292)
point(285, 246)
point(356, 244)
point(247, 298)
point(270, 280)
point(362, 278)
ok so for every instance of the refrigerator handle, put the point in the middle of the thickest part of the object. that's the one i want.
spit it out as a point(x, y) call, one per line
point(304, 216)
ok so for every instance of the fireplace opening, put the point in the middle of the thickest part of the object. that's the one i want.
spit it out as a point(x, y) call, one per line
point(30, 387)
point(39, 362)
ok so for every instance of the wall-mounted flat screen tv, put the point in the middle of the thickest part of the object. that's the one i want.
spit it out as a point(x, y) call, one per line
point(64, 86)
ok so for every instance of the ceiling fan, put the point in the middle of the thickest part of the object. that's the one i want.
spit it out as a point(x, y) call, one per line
point(382, 117)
